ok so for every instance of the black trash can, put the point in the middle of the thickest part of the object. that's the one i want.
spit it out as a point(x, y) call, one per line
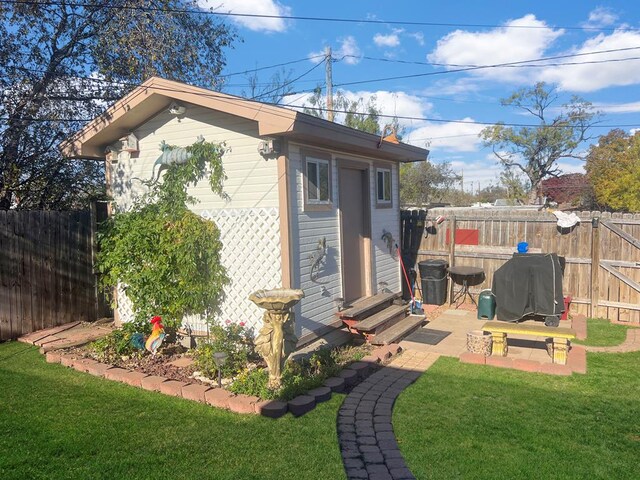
point(433, 279)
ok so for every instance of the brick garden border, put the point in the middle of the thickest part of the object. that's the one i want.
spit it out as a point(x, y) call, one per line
point(220, 398)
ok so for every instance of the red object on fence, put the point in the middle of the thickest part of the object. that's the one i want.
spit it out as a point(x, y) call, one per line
point(567, 304)
point(464, 236)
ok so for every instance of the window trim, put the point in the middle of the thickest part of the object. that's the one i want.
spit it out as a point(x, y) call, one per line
point(384, 203)
point(316, 157)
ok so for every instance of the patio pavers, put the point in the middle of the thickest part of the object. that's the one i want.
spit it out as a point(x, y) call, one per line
point(367, 442)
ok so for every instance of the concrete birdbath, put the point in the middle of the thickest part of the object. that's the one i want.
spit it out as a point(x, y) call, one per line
point(276, 339)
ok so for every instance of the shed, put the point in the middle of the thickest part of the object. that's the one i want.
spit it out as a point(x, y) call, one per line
point(309, 200)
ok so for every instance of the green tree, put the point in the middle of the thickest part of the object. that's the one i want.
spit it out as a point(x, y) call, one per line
point(424, 182)
point(535, 150)
point(62, 62)
point(168, 257)
point(613, 168)
point(516, 187)
point(358, 114)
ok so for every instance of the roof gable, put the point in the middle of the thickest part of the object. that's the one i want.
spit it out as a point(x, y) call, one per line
point(157, 94)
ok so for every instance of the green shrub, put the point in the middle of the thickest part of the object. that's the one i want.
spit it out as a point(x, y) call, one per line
point(233, 339)
point(166, 256)
point(253, 382)
point(118, 343)
point(298, 376)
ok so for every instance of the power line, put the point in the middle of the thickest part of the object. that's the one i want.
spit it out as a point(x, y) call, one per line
point(481, 67)
point(271, 66)
point(319, 19)
point(471, 122)
point(280, 87)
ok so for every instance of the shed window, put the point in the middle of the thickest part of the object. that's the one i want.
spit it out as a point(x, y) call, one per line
point(317, 180)
point(383, 185)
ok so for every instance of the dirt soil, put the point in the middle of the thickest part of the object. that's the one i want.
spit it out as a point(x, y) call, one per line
point(151, 365)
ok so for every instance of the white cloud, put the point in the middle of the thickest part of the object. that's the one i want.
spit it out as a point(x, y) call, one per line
point(499, 45)
point(253, 7)
point(399, 104)
point(449, 136)
point(459, 87)
point(601, 17)
point(349, 50)
point(591, 77)
point(391, 40)
point(418, 37)
point(631, 107)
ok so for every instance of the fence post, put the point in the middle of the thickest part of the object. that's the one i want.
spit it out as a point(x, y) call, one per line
point(595, 264)
point(452, 254)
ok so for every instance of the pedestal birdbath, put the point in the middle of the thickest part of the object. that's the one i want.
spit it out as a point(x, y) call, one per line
point(276, 339)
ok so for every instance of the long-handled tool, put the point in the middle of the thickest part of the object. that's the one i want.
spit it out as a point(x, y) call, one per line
point(414, 307)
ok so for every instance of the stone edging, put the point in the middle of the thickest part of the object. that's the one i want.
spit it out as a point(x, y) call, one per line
point(220, 398)
point(576, 357)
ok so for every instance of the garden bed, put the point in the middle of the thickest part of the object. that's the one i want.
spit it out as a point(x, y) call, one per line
point(192, 374)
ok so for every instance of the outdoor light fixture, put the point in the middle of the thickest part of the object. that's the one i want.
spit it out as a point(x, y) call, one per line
point(176, 109)
point(219, 358)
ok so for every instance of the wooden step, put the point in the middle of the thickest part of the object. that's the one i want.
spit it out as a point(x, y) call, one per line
point(399, 330)
point(377, 320)
point(361, 307)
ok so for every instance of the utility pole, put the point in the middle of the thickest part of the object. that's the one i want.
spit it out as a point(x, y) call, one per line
point(462, 180)
point(328, 61)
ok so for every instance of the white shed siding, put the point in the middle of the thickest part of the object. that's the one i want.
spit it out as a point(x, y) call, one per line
point(249, 221)
point(386, 267)
point(252, 182)
point(307, 228)
point(317, 308)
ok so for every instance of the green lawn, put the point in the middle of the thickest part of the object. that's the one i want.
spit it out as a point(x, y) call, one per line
point(603, 333)
point(476, 422)
point(58, 423)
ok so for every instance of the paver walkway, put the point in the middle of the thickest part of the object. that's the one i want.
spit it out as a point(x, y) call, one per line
point(367, 442)
point(631, 344)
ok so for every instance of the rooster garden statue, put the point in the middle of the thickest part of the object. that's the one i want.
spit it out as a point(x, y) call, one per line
point(157, 335)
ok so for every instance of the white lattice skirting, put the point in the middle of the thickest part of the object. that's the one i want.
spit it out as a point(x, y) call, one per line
point(250, 253)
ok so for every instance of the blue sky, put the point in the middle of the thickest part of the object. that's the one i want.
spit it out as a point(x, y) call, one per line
point(365, 52)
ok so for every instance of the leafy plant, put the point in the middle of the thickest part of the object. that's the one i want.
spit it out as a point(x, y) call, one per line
point(235, 340)
point(118, 343)
point(168, 257)
point(298, 376)
point(253, 382)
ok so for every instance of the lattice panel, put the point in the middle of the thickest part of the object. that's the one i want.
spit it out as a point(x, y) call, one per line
point(251, 255)
point(125, 307)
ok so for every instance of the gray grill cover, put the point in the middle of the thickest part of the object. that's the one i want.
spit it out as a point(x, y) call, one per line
point(527, 284)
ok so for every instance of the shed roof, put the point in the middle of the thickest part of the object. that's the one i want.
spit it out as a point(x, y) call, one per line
point(157, 94)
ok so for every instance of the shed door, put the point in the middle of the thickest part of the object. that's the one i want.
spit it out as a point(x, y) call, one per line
point(354, 222)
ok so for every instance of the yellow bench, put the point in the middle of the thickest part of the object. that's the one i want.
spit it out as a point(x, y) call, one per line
point(560, 336)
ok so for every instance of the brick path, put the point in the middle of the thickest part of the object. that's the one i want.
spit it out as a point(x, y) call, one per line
point(367, 442)
point(631, 344)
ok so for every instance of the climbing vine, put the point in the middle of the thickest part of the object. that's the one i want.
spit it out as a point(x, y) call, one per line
point(168, 257)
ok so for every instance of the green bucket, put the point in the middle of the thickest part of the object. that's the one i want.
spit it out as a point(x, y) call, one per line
point(486, 305)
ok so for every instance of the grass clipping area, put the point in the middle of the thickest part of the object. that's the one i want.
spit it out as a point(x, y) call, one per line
point(58, 423)
point(477, 422)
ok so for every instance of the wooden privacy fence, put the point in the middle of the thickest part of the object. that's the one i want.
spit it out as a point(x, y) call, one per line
point(46, 272)
point(602, 253)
